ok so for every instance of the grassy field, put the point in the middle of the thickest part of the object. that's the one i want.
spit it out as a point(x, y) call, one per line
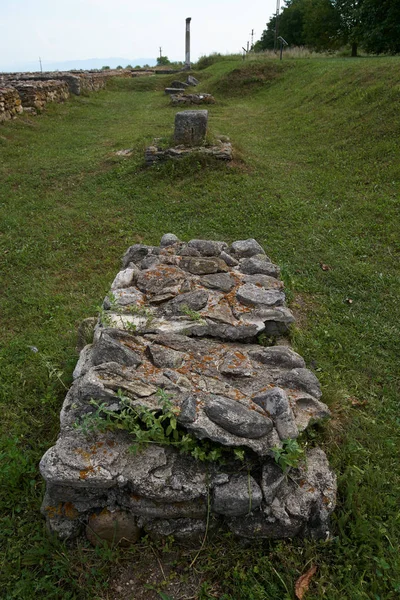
point(316, 180)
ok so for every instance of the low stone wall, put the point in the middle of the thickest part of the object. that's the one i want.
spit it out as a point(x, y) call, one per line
point(188, 99)
point(178, 420)
point(10, 103)
point(33, 91)
point(36, 94)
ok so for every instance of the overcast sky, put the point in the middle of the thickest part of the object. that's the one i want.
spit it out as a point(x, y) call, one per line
point(80, 29)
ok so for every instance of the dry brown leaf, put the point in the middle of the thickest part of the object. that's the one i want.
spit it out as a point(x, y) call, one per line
point(303, 583)
point(357, 402)
point(325, 267)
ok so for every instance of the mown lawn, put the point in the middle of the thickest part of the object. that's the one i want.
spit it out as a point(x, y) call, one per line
point(316, 180)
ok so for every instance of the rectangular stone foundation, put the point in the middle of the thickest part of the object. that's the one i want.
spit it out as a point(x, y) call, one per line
point(178, 338)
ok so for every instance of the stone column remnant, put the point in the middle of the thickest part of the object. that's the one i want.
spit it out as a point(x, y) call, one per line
point(187, 44)
point(191, 127)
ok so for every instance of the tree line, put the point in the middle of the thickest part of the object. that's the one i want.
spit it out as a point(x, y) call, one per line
point(323, 25)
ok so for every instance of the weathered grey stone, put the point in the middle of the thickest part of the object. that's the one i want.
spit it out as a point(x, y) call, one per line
point(276, 404)
point(236, 418)
point(178, 85)
point(236, 364)
point(301, 379)
point(259, 264)
point(171, 90)
point(246, 248)
point(191, 301)
point(208, 247)
point(168, 239)
point(257, 526)
point(188, 409)
point(116, 528)
point(192, 80)
point(203, 266)
point(108, 349)
point(149, 261)
point(278, 356)
point(240, 496)
point(126, 297)
point(135, 254)
point(230, 261)
point(264, 281)
point(125, 278)
point(182, 530)
point(272, 479)
point(191, 127)
point(219, 311)
point(156, 280)
point(187, 250)
point(218, 281)
point(307, 409)
point(251, 295)
point(84, 363)
point(166, 357)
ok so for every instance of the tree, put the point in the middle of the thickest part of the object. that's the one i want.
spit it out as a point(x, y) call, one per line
point(350, 30)
point(163, 61)
point(312, 23)
point(380, 26)
point(321, 24)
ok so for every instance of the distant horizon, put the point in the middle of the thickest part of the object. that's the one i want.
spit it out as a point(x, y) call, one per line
point(75, 64)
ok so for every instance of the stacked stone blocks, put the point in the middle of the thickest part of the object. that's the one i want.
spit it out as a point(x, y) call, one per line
point(185, 318)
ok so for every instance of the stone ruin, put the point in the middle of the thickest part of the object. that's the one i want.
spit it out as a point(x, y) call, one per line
point(177, 87)
point(190, 138)
point(29, 92)
point(183, 321)
point(10, 103)
point(185, 99)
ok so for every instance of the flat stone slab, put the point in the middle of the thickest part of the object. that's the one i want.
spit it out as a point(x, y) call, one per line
point(181, 98)
point(183, 318)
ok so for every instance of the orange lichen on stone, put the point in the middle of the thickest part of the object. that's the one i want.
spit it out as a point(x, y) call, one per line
point(84, 473)
point(70, 511)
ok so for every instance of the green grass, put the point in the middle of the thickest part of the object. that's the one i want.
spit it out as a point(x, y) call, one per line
point(315, 180)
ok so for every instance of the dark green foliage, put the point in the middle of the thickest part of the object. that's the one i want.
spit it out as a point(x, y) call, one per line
point(380, 26)
point(163, 61)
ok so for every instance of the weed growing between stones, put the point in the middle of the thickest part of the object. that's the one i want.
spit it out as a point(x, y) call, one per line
point(289, 455)
point(155, 427)
point(192, 314)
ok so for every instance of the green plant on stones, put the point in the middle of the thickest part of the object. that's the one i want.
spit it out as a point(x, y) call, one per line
point(117, 309)
point(192, 314)
point(289, 455)
point(154, 427)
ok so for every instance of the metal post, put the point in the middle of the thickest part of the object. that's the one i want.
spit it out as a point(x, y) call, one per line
point(40, 62)
point(187, 45)
point(278, 8)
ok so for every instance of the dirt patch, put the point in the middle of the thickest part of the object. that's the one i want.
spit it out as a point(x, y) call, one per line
point(155, 574)
point(303, 306)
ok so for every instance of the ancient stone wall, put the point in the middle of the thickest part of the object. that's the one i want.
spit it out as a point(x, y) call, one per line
point(176, 359)
point(32, 91)
point(36, 94)
point(10, 103)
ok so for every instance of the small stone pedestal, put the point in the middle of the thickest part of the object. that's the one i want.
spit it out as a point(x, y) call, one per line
point(191, 127)
point(190, 138)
